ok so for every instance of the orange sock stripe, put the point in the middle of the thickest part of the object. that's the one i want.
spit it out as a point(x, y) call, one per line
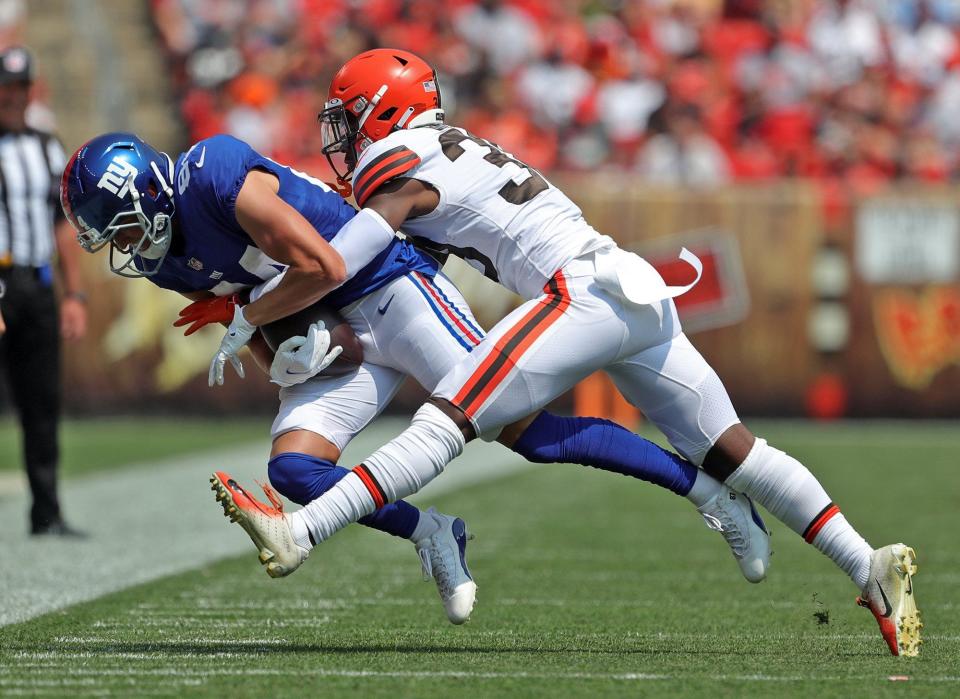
point(826, 514)
point(376, 492)
point(507, 351)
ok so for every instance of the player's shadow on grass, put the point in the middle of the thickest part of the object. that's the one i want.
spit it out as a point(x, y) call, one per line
point(176, 648)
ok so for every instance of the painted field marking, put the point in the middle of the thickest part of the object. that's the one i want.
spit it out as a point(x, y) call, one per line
point(155, 520)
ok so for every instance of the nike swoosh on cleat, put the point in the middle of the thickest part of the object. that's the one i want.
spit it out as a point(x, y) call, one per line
point(383, 309)
point(889, 610)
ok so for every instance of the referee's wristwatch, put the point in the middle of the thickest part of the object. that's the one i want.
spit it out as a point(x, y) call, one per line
point(76, 296)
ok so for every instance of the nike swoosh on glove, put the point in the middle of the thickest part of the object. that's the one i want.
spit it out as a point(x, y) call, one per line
point(301, 358)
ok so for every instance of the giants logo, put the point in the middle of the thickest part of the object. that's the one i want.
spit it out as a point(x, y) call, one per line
point(117, 177)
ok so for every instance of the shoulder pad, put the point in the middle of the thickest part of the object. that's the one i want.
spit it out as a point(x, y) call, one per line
point(381, 162)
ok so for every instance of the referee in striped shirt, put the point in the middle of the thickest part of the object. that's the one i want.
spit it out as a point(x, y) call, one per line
point(33, 233)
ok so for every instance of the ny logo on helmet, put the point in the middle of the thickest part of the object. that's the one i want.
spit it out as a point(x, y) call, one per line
point(117, 177)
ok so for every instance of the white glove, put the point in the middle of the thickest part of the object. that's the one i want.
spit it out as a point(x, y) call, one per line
point(238, 334)
point(300, 358)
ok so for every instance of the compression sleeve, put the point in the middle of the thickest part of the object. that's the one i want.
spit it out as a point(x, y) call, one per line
point(361, 239)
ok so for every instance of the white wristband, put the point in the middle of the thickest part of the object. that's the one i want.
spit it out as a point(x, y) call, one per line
point(361, 239)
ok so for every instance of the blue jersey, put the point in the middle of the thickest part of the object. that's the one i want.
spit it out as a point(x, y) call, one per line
point(211, 252)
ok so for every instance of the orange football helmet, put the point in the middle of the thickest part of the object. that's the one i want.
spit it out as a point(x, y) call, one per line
point(374, 94)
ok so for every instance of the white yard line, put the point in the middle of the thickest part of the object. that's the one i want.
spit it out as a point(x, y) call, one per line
point(154, 520)
point(198, 675)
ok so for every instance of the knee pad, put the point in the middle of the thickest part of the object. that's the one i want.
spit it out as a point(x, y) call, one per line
point(302, 478)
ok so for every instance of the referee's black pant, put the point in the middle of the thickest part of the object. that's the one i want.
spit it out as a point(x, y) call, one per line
point(30, 353)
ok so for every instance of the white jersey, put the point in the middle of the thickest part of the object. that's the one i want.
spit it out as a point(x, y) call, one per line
point(499, 215)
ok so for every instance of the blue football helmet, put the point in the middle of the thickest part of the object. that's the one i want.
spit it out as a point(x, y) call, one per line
point(114, 183)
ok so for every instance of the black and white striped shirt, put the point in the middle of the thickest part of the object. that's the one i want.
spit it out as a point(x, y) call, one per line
point(31, 162)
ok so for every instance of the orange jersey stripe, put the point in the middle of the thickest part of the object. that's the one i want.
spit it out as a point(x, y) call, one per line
point(382, 169)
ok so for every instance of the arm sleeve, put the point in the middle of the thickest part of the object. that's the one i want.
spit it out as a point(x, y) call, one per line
point(361, 239)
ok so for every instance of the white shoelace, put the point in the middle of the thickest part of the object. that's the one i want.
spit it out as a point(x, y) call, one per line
point(433, 562)
point(725, 525)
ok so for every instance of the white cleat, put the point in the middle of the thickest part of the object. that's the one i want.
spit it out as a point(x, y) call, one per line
point(889, 595)
point(443, 555)
point(266, 525)
point(734, 516)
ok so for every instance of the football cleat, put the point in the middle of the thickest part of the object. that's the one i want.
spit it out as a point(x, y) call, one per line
point(266, 525)
point(734, 516)
point(889, 595)
point(443, 555)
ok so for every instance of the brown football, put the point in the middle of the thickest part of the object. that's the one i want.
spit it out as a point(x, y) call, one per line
point(340, 334)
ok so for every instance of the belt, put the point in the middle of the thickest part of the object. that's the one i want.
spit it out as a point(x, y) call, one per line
point(43, 274)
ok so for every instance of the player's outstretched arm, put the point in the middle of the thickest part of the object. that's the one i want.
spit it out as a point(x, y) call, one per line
point(402, 198)
point(281, 232)
point(366, 235)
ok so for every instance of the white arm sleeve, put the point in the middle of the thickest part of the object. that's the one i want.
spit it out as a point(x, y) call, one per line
point(361, 239)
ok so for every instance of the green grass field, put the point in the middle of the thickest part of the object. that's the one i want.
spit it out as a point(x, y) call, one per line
point(102, 444)
point(590, 585)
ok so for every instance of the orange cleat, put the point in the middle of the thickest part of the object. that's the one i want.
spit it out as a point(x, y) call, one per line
point(266, 525)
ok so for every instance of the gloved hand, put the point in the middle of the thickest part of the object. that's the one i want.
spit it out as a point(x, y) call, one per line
point(218, 309)
point(238, 334)
point(300, 358)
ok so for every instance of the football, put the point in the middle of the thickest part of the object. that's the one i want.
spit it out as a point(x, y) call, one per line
point(340, 334)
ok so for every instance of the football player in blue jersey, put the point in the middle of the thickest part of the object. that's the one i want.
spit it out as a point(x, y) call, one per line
point(224, 218)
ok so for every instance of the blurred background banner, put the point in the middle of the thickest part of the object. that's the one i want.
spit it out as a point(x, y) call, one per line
point(808, 150)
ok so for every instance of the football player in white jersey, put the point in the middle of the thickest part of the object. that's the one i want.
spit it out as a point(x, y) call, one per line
point(589, 306)
point(231, 207)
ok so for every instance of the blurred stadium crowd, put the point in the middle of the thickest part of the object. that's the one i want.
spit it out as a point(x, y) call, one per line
point(698, 92)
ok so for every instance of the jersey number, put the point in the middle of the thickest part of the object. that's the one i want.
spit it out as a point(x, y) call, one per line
point(512, 192)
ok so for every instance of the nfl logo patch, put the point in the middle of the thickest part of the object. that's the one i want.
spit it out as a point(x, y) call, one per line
point(195, 264)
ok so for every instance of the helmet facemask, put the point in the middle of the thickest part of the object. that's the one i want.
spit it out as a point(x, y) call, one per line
point(341, 127)
point(155, 234)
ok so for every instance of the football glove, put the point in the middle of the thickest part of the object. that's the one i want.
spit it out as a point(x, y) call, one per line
point(238, 334)
point(218, 309)
point(300, 358)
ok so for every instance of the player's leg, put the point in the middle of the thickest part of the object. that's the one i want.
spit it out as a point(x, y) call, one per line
point(32, 349)
point(544, 437)
point(679, 391)
point(529, 358)
point(315, 422)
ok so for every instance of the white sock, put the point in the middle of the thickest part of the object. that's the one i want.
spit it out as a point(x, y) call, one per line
point(347, 501)
point(417, 455)
point(298, 527)
point(845, 547)
point(704, 489)
point(794, 496)
point(396, 470)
